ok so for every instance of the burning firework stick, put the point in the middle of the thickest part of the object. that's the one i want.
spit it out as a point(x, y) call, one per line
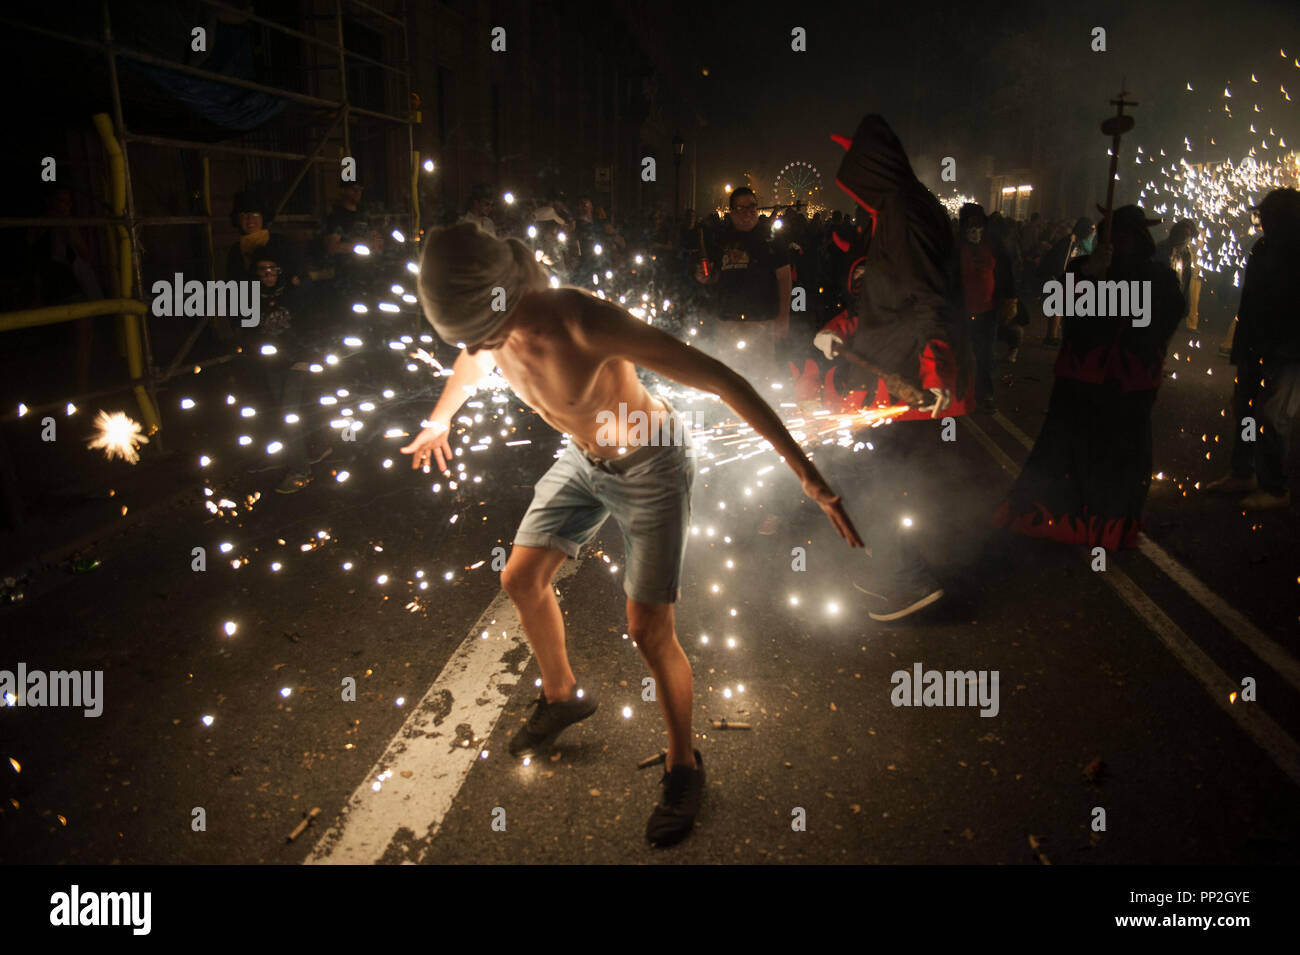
point(722, 724)
point(874, 416)
point(1034, 844)
point(653, 760)
point(307, 821)
point(896, 385)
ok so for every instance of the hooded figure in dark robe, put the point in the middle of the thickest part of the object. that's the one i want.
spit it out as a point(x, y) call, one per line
point(903, 323)
point(905, 290)
point(1088, 474)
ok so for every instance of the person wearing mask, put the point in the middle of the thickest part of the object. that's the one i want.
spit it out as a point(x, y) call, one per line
point(904, 325)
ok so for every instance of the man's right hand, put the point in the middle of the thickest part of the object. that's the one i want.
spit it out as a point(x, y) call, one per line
point(817, 489)
point(431, 441)
point(828, 342)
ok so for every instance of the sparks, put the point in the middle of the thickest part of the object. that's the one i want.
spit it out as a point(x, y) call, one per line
point(118, 436)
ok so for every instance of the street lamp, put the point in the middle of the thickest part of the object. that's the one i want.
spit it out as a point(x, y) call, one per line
point(679, 147)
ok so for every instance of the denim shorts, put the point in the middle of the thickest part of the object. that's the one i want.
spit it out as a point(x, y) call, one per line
point(650, 502)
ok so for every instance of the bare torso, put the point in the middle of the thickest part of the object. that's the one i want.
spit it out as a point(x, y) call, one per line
point(548, 366)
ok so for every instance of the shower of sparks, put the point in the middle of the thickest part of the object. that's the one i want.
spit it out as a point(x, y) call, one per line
point(1215, 187)
point(118, 436)
point(255, 438)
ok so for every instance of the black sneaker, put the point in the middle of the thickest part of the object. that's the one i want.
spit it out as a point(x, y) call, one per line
point(548, 721)
point(294, 481)
point(902, 603)
point(674, 817)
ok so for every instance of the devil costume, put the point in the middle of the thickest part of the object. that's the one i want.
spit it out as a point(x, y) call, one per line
point(1087, 477)
point(903, 325)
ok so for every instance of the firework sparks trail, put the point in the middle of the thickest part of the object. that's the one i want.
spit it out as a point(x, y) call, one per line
point(1207, 185)
point(490, 419)
point(118, 436)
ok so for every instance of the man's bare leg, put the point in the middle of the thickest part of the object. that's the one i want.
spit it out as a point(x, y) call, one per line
point(527, 580)
point(653, 628)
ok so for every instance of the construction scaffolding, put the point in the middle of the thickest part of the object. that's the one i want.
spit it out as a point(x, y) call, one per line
point(341, 117)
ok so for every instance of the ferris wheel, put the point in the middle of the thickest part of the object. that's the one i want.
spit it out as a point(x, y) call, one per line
point(797, 181)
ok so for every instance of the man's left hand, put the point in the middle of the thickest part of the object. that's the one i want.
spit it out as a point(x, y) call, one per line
point(942, 399)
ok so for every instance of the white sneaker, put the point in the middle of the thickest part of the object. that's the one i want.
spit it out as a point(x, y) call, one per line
point(1264, 501)
point(1231, 485)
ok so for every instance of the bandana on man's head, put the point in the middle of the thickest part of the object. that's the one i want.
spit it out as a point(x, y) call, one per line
point(464, 273)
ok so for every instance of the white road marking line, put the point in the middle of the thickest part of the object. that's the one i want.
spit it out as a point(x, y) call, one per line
point(1261, 645)
point(399, 821)
point(1010, 428)
point(1281, 748)
point(1232, 620)
point(996, 453)
point(1274, 740)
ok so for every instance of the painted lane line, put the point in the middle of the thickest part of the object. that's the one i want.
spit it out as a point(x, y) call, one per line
point(997, 454)
point(1010, 428)
point(1271, 738)
point(398, 821)
point(1280, 747)
point(1231, 619)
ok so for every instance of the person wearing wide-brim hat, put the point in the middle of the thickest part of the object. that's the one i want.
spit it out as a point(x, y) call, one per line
point(252, 212)
point(1087, 477)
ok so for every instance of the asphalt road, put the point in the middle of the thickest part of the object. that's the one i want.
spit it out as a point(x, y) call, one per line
point(1131, 667)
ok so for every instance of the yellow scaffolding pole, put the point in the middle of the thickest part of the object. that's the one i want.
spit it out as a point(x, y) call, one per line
point(131, 319)
point(52, 314)
point(415, 196)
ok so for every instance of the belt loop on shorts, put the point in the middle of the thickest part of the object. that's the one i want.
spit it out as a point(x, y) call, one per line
point(626, 462)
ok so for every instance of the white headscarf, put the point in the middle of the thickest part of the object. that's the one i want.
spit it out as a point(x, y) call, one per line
point(460, 271)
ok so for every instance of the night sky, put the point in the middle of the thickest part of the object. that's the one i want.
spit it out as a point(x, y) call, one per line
point(962, 68)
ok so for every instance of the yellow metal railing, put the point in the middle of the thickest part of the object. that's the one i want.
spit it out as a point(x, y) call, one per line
point(52, 314)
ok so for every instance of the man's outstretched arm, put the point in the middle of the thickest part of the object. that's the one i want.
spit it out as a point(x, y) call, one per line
point(610, 331)
point(466, 373)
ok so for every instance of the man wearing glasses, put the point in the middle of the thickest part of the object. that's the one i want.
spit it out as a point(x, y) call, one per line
point(283, 370)
point(752, 278)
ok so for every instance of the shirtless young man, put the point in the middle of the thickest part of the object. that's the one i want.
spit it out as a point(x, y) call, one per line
point(570, 356)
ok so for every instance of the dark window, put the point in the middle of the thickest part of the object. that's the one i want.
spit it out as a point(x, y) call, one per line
point(444, 84)
point(365, 81)
point(496, 121)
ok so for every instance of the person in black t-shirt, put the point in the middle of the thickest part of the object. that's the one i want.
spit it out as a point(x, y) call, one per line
point(751, 277)
point(348, 225)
